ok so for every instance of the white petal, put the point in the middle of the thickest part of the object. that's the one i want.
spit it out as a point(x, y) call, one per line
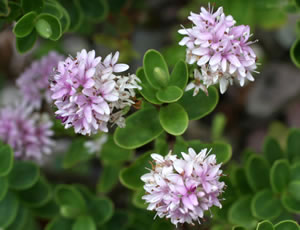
point(203, 60)
point(118, 68)
point(223, 85)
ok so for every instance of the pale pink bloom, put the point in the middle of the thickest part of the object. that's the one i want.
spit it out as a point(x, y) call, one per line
point(219, 47)
point(183, 189)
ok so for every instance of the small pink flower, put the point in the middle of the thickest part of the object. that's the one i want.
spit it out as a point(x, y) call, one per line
point(220, 48)
point(183, 189)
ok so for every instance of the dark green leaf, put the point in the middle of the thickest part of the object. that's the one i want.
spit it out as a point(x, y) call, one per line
point(173, 119)
point(60, 223)
point(170, 94)
point(295, 171)
point(238, 228)
point(23, 175)
point(265, 205)
point(156, 69)
point(294, 53)
point(52, 7)
point(109, 178)
point(49, 26)
point(294, 189)
point(200, 105)
point(239, 179)
point(25, 44)
point(4, 9)
point(119, 221)
point(47, 211)
point(15, 11)
point(272, 150)
point(265, 225)
point(101, 210)
point(141, 132)
point(8, 209)
point(76, 15)
point(6, 159)
point(290, 204)
point(180, 146)
point(287, 225)
point(137, 199)
point(25, 25)
point(32, 5)
point(3, 187)
point(20, 220)
point(95, 10)
point(179, 75)
point(293, 145)
point(280, 175)
point(160, 145)
point(84, 223)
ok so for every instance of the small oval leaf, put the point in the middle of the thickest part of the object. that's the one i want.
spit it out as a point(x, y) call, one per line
point(84, 223)
point(6, 160)
point(25, 25)
point(8, 209)
point(294, 189)
point(280, 175)
point(169, 94)
point(287, 225)
point(265, 225)
point(179, 75)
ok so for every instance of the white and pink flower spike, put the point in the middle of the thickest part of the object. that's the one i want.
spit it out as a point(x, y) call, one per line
point(88, 94)
point(220, 49)
point(183, 189)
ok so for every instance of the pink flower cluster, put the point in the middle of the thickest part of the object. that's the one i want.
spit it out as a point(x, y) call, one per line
point(28, 133)
point(220, 49)
point(182, 189)
point(88, 94)
point(34, 81)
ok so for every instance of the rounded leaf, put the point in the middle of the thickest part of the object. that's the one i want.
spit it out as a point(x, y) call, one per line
point(52, 26)
point(240, 213)
point(293, 145)
point(280, 175)
point(287, 225)
point(47, 211)
point(20, 220)
point(173, 119)
point(25, 25)
point(290, 204)
point(294, 189)
point(43, 28)
point(95, 10)
point(295, 171)
point(60, 223)
point(265, 225)
point(169, 94)
point(295, 53)
point(32, 5)
point(265, 205)
point(272, 150)
point(200, 105)
point(143, 127)
point(156, 69)
point(179, 75)
point(101, 209)
point(137, 199)
point(23, 175)
point(84, 223)
point(74, 12)
point(8, 209)
point(26, 43)
point(3, 187)
point(109, 178)
point(6, 159)
point(240, 181)
point(257, 172)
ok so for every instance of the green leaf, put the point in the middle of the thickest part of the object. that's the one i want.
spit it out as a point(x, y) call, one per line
point(23, 175)
point(65, 21)
point(131, 176)
point(109, 178)
point(240, 213)
point(32, 5)
point(238, 228)
point(49, 26)
point(20, 220)
point(38, 195)
point(137, 199)
point(295, 171)
point(272, 150)
point(25, 44)
point(265, 205)
point(95, 10)
point(84, 223)
point(113, 154)
point(3, 187)
point(295, 53)
point(169, 94)
point(180, 146)
point(160, 145)
point(218, 125)
point(119, 221)
point(294, 189)
point(8, 209)
point(74, 12)
point(6, 160)
point(101, 210)
point(293, 145)
point(287, 225)
point(156, 69)
point(141, 132)
point(290, 204)
point(76, 153)
point(15, 11)
point(239, 179)
point(222, 150)
point(173, 119)
point(25, 25)
point(280, 175)
point(257, 172)
point(200, 105)
point(179, 75)
point(265, 225)
point(52, 7)
point(47, 211)
point(148, 92)
point(60, 223)
point(70, 201)
point(4, 9)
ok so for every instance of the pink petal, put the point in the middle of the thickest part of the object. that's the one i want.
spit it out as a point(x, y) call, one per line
point(234, 60)
point(200, 51)
point(203, 60)
point(215, 59)
point(88, 114)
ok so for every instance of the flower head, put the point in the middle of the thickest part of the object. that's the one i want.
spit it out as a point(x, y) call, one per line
point(182, 189)
point(88, 93)
point(34, 81)
point(28, 133)
point(220, 49)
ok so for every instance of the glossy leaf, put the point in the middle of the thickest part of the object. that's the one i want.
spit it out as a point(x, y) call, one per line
point(265, 225)
point(101, 209)
point(23, 175)
point(265, 205)
point(179, 75)
point(25, 25)
point(6, 159)
point(95, 10)
point(156, 69)
point(8, 209)
point(290, 204)
point(293, 145)
point(25, 44)
point(141, 132)
point(43, 28)
point(131, 176)
point(280, 175)
point(272, 150)
point(60, 223)
point(173, 119)
point(257, 172)
point(169, 94)
point(84, 223)
point(287, 225)
point(32, 5)
point(295, 53)
point(200, 105)
point(294, 189)
point(109, 178)
point(240, 213)
point(49, 26)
